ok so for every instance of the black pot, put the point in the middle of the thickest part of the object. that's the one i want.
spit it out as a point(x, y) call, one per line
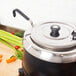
point(35, 67)
point(49, 49)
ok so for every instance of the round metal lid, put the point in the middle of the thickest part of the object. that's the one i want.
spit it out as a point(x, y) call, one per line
point(53, 35)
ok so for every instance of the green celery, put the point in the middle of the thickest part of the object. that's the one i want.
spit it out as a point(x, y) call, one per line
point(10, 35)
point(4, 42)
point(19, 54)
point(10, 41)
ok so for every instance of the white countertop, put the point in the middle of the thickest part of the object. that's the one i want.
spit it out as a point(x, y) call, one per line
point(38, 11)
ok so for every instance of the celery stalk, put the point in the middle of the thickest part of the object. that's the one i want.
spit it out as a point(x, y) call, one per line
point(4, 42)
point(10, 41)
point(10, 35)
point(10, 38)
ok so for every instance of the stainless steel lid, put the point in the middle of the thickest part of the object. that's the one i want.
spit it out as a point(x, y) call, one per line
point(44, 35)
point(52, 42)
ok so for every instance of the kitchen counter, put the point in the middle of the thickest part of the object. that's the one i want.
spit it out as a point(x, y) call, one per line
point(10, 69)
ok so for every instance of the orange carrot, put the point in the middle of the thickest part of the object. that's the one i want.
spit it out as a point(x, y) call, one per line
point(11, 60)
point(8, 61)
point(0, 60)
point(1, 55)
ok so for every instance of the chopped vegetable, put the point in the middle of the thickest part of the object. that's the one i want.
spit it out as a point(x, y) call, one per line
point(8, 61)
point(23, 58)
point(12, 56)
point(19, 34)
point(17, 47)
point(12, 59)
point(1, 55)
point(19, 54)
point(0, 60)
point(22, 50)
point(13, 33)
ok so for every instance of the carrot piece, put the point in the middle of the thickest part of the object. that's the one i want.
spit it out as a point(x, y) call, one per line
point(0, 60)
point(1, 55)
point(11, 60)
point(8, 61)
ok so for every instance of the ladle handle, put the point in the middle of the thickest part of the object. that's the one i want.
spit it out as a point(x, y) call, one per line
point(22, 14)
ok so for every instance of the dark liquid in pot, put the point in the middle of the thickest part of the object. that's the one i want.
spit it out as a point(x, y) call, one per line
point(35, 67)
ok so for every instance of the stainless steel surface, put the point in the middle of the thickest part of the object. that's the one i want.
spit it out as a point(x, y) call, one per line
point(65, 55)
point(41, 35)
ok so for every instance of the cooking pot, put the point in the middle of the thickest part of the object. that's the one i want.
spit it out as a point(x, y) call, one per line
point(50, 48)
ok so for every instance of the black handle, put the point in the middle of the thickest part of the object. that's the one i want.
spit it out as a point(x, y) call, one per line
point(73, 35)
point(22, 14)
point(55, 30)
point(21, 72)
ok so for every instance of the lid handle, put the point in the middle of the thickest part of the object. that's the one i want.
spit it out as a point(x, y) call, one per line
point(55, 30)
